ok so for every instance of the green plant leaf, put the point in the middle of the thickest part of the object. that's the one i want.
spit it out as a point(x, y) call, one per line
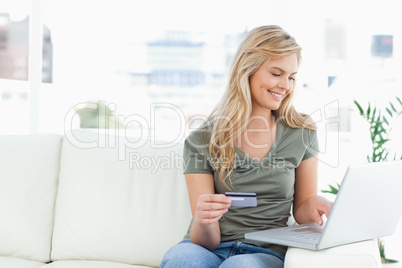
point(376, 124)
point(386, 260)
point(381, 248)
point(378, 132)
point(389, 112)
point(379, 119)
point(332, 189)
point(368, 110)
point(382, 156)
point(393, 108)
point(399, 100)
point(396, 156)
point(374, 112)
point(385, 120)
point(359, 107)
point(381, 143)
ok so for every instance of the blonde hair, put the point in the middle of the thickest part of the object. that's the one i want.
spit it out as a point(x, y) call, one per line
point(230, 116)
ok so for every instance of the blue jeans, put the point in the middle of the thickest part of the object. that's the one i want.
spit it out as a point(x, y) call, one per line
point(228, 254)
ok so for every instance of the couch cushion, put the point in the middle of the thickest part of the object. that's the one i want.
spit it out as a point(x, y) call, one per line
point(90, 264)
point(8, 262)
point(357, 255)
point(28, 182)
point(118, 203)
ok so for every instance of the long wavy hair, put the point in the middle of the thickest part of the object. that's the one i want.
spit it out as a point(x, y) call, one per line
point(230, 117)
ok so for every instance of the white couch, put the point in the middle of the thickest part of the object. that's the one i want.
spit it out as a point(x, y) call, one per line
point(92, 200)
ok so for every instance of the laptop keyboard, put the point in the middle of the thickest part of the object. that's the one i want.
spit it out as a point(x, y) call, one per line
point(307, 236)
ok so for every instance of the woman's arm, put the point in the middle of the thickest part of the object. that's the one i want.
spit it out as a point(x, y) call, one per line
point(307, 205)
point(207, 208)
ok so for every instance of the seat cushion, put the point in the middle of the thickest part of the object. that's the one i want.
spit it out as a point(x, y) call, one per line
point(28, 184)
point(358, 255)
point(9, 262)
point(90, 264)
point(119, 203)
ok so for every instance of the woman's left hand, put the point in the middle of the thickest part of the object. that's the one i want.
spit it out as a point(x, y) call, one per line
point(318, 206)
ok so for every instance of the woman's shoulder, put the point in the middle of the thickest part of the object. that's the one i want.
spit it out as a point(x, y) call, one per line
point(201, 135)
point(297, 140)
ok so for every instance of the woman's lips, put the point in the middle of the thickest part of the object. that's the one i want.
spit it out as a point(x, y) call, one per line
point(275, 95)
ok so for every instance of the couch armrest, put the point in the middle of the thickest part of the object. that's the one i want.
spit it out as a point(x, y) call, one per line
point(363, 254)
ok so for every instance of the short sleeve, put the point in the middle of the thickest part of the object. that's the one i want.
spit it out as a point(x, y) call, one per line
point(195, 154)
point(311, 143)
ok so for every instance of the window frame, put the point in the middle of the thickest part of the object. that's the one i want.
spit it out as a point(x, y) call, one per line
point(32, 85)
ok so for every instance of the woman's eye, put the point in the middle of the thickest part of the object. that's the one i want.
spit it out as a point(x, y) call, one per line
point(276, 74)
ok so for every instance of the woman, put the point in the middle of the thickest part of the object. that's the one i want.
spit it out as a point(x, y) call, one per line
point(254, 141)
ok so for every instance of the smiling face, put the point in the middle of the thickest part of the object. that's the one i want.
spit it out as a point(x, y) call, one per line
point(272, 82)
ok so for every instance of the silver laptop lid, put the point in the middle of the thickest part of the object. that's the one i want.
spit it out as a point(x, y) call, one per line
point(368, 205)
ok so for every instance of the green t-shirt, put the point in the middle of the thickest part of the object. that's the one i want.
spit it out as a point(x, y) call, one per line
point(272, 179)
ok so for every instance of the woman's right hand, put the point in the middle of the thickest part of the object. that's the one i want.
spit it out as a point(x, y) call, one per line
point(210, 208)
point(207, 208)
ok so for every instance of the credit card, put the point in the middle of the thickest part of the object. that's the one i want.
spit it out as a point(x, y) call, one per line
point(242, 199)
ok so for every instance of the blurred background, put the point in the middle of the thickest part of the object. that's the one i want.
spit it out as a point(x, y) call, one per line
point(155, 69)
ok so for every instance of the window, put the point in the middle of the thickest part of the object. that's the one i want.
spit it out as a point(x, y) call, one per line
point(14, 40)
point(132, 56)
point(14, 60)
point(382, 46)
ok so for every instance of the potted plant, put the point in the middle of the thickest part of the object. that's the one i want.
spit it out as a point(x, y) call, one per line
point(380, 126)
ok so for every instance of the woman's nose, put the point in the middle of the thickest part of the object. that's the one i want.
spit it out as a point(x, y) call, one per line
point(284, 84)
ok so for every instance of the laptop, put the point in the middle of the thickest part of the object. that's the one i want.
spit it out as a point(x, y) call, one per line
point(368, 205)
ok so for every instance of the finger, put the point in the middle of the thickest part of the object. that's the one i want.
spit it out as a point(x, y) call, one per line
point(208, 217)
point(209, 220)
point(210, 206)
point(215, 198)
point(214, 202)
point(327, 209)
point(212, 214)
point(317, 217)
